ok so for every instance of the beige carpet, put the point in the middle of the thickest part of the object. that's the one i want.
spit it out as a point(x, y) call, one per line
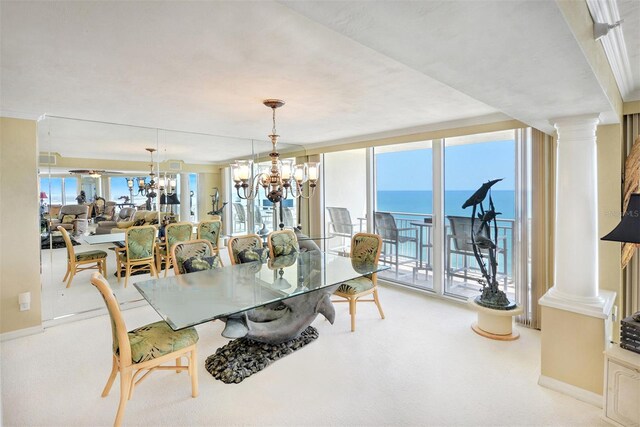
point(421, 366)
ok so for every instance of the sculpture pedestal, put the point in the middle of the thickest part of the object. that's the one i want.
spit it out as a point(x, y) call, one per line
point(495, 324)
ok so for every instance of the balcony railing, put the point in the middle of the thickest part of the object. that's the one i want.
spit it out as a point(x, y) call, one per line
point(415, 256)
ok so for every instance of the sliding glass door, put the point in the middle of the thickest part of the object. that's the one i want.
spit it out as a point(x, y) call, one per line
point(470, 161)
point(403, 214)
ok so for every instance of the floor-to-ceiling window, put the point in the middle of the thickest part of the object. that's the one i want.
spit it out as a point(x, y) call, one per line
point(470, 161)
point(404, 211)
point(345, 198)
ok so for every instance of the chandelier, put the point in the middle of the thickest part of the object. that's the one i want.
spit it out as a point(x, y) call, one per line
point(146, 188)
point(284, 178)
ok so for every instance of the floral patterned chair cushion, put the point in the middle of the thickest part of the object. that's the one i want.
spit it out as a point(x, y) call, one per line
point(355, 286)
point(89, 255)
point(284, 243)
point(253, 254)
point(196, 263)
point(243, 243)
point(140, 242)
point(210, 230)
point(157, 339)
point(176, 233)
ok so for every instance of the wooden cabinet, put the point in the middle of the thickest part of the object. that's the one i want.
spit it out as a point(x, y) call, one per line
point(622, 387)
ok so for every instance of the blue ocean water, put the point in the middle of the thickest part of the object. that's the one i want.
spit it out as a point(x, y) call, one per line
point(421, 202)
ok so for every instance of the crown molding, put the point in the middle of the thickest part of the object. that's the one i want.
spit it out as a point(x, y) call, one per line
point(19, 115)
point(615, 48)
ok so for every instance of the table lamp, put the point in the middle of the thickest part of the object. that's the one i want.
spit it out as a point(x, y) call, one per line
point(629, 228)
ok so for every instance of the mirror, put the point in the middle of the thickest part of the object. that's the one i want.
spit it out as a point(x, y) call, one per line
point(105, 169)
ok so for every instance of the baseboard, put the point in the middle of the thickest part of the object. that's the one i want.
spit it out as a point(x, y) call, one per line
point(21, 333)
point(571, 390)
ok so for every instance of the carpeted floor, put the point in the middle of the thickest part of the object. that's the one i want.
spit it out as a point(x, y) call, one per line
point(422, 365)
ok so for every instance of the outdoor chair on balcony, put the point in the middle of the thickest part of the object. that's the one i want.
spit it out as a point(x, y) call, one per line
point(340, 225)
point(240, 217)
point(458, 244)
point(396, 240)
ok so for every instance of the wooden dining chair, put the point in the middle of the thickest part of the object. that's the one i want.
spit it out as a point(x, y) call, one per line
point(282, 243)
point(137, 253)
point(174, 233)
point(365, 249)
point(210, 230)
point(144, 349)
point(76, 262)
point(194, 255)
point(247, 248)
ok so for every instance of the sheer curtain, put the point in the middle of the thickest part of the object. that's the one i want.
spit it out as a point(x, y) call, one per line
point(631, 283)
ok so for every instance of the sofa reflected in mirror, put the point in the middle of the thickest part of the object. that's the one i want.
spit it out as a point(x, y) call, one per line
point(122, 220)
point(73, 218)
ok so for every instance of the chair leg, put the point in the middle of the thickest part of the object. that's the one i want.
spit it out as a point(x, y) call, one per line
point(167, 262)
point(127, 274)
point(377, 301)
point(153, 270)
point(125, 385)
point(193, 371)
point(352, 312)
point(72, 273)
point(112, 377)
point(178, 364)
point(64, 279)
point(118, 267)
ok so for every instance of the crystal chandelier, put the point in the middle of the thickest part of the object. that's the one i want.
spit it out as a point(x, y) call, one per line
point(283, 179)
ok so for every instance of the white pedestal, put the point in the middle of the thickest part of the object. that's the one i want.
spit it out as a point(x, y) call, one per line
point(495, 324)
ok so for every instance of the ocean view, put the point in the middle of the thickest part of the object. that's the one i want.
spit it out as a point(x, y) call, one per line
point(421, 202)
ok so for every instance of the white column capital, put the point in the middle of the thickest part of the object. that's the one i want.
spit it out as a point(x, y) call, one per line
point(580, 121)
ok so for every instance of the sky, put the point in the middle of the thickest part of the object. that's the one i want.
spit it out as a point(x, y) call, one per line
point(466, 167)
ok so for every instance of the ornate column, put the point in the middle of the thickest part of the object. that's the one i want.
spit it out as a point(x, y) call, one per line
point(576, 326)
point(185, 211)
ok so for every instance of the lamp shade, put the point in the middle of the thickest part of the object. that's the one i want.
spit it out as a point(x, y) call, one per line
point(629, 228)
point(171, 199)
point(43, 195)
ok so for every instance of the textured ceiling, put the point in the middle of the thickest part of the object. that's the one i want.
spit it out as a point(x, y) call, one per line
point(346, 69)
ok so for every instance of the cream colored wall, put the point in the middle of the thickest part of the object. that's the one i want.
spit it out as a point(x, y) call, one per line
point(19, 224)
point(206, 183)
point(609, 144)
point(572, 347)
point(631, 107)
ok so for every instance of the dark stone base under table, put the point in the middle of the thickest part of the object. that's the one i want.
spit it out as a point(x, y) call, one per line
point(243, 357)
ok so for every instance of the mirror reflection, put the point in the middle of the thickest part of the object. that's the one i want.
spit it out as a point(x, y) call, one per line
point(99, 179)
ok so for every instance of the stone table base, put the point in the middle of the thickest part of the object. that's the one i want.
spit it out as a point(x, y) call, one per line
point(243, 357)
point(495, 324)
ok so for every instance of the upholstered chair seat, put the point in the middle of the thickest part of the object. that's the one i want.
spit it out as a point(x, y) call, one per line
point(355, 286)
point(157, 339)
point(91, 255)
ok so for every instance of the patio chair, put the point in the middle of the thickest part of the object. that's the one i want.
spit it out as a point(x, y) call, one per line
point(81, 261)
point(365, 248)
point(340, 225)
point(240, 217)
point(144, 349)
point(393, 237)
point(459, 243)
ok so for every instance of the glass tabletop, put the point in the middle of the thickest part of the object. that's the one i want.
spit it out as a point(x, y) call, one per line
point(194, 298)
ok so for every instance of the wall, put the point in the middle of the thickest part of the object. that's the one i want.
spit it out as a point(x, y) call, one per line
point(19, 225)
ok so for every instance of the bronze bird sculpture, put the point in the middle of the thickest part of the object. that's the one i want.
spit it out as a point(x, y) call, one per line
point(480, 194)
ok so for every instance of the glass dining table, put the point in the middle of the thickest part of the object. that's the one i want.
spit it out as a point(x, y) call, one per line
point(273, 300)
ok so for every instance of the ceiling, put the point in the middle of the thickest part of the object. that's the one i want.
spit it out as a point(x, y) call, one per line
point(347, 70)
